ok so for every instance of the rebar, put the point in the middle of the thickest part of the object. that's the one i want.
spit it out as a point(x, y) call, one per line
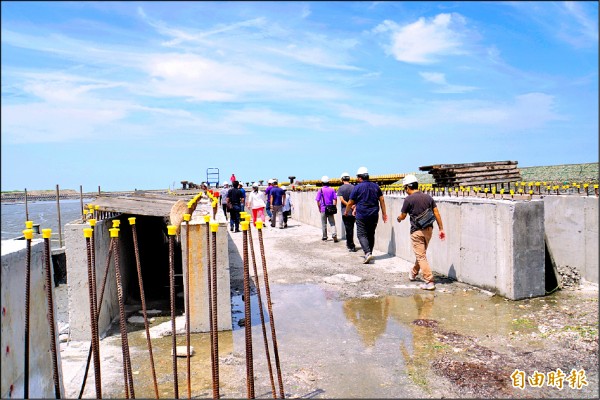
point(248, 322)
point(271, 318)
point(99, 308)
point(173, 326)
point(187, 308)
point(215, 325)
point(49, 288)
point(210, 316)
point(127, 372)
point(94, 324)
point(143, 299)
point(27, 308)
point(58, 212)
point(262, 317)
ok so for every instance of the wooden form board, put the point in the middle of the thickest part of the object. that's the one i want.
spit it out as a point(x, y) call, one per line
point(138, 205)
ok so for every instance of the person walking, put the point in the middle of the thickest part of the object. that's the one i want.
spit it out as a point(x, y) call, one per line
point(286, 210)
point(326, 197)
point(243, 202)
point(232, 178)
point(423, 213)
point(277, 200)
point(368, 198)
point(268, 194)
point(223, 198)
point(348, 220)
point(257, 202)
point(234, 201)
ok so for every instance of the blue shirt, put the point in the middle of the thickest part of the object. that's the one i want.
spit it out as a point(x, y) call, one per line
point(366, 197)
point(277, 195)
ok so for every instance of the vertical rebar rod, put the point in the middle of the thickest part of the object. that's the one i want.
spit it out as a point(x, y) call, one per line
point(127, 372)
point(27, 309)
point(210, 316)
point(98, 309)
point(26, 207)
point(81, 201)
point(248, 321)
point(187, 306)
point(143, 299)
point(58, 212)
point(261, 311)
point(93, 320)
point(271, 318)
point(173, 325)
point(49, 287)
point(215, 325)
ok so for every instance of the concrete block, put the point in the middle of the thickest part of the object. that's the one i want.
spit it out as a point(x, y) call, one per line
point(41, 381)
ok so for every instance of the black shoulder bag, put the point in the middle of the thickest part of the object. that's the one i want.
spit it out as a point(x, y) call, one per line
point(329, 209)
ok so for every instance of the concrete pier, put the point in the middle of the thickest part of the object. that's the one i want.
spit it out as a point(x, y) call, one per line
point(41, 382)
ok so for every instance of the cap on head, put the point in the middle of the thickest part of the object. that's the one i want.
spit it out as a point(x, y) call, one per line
point(225, 183)
point(255, 185)
point(362, 171)
point(325, 179)
point(408, 179)
point(345, 175)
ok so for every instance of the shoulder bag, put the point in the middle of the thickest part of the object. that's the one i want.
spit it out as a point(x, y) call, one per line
point(329, 209)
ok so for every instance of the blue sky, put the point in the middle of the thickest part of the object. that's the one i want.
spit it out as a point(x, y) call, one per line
point(145, 94)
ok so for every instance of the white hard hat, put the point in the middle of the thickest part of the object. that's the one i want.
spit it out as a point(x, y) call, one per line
point(284, 187)
point(325, 179)
point(362, 170)
point(270, 181)
point(345, 175)
point(255, 184)
point(408, 179)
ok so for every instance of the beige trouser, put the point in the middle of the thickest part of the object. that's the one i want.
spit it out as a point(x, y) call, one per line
point(420, 240)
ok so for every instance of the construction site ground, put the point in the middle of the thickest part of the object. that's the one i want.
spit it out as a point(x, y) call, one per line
point(350, 330)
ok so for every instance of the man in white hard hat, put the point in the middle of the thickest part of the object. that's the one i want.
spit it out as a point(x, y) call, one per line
point(223, 197)
point(348, 220)
point(326, 197)
point(368, 197)
point(268, 194)
point(277, 201)
point(423, 213)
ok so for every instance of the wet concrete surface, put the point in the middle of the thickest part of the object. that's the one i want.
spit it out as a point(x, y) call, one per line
point(378, 336)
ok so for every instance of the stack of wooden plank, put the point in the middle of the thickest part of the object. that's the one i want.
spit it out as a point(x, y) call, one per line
point(474, 174)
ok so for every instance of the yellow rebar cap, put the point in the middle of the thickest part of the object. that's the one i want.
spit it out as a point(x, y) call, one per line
point(245, 225)
point(206, 218)
point(91, 206)
point(172, 230)
point(116, 223)
point(114, 232)
point(85, 211)
point(28, 233)
point(87, 232)
point(29, 224)
point(259, 224)
point(243, 214)
point(186, 217)
point(131, 220)
point(214, 226)
point(247, 217)
point(92, 222)
point(97, 207)
point(46, 233)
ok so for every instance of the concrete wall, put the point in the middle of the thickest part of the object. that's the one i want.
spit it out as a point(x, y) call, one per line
point(199, 256)
point(572, 233)
point(41, 381)
point(77, 278)
point(493, 244)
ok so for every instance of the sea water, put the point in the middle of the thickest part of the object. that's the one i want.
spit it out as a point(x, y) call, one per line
point(44, 213)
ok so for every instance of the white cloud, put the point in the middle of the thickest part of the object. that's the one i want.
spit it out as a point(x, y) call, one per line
point(425, 41)
point(439, 79)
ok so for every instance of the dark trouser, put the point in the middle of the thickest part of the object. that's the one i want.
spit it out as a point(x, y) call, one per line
point(286, 214)
point(234, 214)
point(349, 221)
point(268, 209)
point(365, 230)
point(225, 210)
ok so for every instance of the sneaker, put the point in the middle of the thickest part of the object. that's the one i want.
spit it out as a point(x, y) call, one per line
point(232, 229)
point(412, 277)
point(368, 258)
point(323, 238)
point(285, 225)
point(352, 250)
point(427, 286)
point(335, 239)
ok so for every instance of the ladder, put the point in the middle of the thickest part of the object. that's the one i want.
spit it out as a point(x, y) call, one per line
point(212, 177)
